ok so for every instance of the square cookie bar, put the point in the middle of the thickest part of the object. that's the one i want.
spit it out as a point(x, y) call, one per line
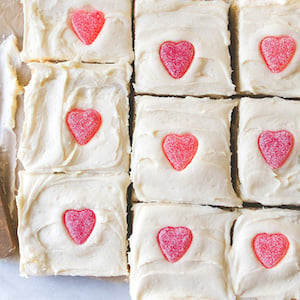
point(181, 48)
point(72, 224)
point(269, 47)
point(180, 252)
point(268, 151)
point(181, 151)
point(264, 259)
point(90, 31)
point(76, 118)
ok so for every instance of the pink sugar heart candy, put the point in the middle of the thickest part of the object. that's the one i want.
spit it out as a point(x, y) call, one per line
point(79, 224)
point(174, 242)
point(270, 249)
point(87, 25)
point(277, 52)
point(176, 57)
point(180, 150)
point(275, 147)
point(83, 124)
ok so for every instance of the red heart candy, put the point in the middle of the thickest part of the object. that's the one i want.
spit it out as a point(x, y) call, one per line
point(87, 25)
point(174, 242)
point(83, 124)
point(180, 150)
point(270, 249)
point(176, 57)
point(275, 147)
point(277, 52)
point(79, 224)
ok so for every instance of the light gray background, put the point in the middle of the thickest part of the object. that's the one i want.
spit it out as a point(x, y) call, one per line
point(14, 287)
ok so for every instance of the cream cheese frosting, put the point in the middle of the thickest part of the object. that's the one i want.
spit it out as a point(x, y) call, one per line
point(55, 90)
point(48, 33)
point(45, 246)
point(250, 279)
point(10, 61)
point(207, 179)
point(156, 6)
point(257, 20)
point(258, 181)
point(203, 24)
point(200, 274)
point(9, 91)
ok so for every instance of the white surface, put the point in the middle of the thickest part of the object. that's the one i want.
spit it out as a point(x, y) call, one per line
point(14, 287)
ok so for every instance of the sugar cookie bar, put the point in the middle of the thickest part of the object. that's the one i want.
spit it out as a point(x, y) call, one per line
point(181, 48)
point(268, 52)
point(264, 258)
point(181, 151)
point(76, 118)
point(268, 151)
point(180, 252)
point(90, 31)
point(72, 224)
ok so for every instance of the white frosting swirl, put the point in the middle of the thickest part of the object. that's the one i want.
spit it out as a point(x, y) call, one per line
point(200, 274)
point(9, 91)
point(48, 34)
point(207, 179)
point(250, 279)
point(258, 181)
point(202, 23)
point(257, 20)
point(56, 89)
point(45, 246)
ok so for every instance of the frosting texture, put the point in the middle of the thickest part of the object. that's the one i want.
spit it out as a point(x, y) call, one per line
point(10, 89)
point(279, 282)
point(201, 273)
point(46, 248)
point(258, 20)
point(57, 89)
point(259, 182)
point(206, 179)
point(48, 33)
point(204, 24)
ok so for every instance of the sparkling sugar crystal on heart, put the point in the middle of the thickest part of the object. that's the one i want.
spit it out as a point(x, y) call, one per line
point(87, 25)
point(276, 147)
point(176, 57)
point(79, 224)
point(180, 150)
point(174, 242)
point(83, 124)
point(277, 52)
point(270, 249)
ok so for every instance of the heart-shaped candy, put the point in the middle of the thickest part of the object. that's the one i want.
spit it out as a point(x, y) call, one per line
point(174, 242)
point(275, 147)
point(270, 249)
point(79, 224)
point(180, 150)
point(83, 124)
point(87, 25)
point(277, 52)
point(176, 57)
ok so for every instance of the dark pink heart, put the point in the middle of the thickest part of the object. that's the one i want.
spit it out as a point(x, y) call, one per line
point(79, 224)
point(270, 249)
point(275, 147)
point(176, 57)
point(83, 124)
point(87, 25)
point(174, 242)
point(180, 150)
point(277, 52)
